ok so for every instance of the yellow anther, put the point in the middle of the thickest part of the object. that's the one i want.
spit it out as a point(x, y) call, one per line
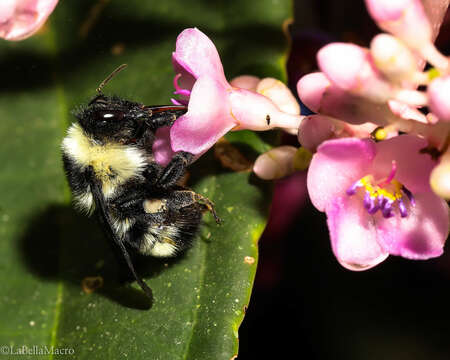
point(380, 134)
point(392, 191)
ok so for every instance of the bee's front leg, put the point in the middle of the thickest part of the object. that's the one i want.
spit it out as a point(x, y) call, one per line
point(174, 171)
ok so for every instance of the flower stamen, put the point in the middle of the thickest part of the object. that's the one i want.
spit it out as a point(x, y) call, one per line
point(178, 89)
point(383, 195)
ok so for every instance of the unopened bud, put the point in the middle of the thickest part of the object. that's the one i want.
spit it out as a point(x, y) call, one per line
point(280, 94)
point(275, 163)
point(440, 178)
point(394, 59)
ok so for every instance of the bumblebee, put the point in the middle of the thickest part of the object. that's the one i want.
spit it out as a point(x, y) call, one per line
point(111, 170)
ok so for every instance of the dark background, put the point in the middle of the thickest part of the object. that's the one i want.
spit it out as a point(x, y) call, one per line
point(304, 303)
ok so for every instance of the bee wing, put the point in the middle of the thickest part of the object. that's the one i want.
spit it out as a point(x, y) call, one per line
point(101, 208)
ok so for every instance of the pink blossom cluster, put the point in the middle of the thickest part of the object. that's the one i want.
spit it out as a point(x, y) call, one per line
point(379, 167)
point(377, 148)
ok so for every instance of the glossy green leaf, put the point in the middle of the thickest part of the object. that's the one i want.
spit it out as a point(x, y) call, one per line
point(48, 249)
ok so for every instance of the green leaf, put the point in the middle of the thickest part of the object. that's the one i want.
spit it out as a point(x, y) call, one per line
point(48, 249)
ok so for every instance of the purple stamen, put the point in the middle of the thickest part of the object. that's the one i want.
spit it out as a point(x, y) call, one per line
point(387, 209)
point(373, 208)
point(402, 208)
point(352, 189)
point(367, 203)
point(382, 201)
point(410, 196)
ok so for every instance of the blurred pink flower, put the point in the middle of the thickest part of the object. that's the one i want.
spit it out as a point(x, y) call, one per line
point(19, 19)
point(351, 68)
point(214, 106)
point(408, 21)
point(439, 97)
point(378, 200)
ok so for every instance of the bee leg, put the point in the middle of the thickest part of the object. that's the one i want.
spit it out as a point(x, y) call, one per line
point(184, 198)
point(152, 173)
point(175, 169)
point(164, 117)
point(209, 206)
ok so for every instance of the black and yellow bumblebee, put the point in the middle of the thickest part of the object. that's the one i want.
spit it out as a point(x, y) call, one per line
point(111, 170)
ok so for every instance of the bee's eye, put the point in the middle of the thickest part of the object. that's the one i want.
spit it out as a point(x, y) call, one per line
point(106, 116)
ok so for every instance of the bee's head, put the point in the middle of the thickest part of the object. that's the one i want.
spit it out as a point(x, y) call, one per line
point(112, 119)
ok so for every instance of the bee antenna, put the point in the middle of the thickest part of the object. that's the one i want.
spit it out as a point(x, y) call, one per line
point(110, 76)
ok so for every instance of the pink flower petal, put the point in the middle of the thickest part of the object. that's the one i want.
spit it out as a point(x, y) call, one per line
point(350, 68)
point(439, 97)
point(353, 234)
point(310, 89)
point(196, 54)
point(420, 235)
point(7, 10)
point(200, 128)
point(22, 18)
point(387, 10)
point(413, 167)
point(336, 166)
point(406, 111)
point(161, 148)
point(256, 112)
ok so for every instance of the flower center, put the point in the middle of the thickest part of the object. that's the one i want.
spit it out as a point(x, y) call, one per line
point(383, 195)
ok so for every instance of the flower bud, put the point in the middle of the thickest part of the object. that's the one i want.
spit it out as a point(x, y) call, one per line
point(394, 59)
point(247, 82)
point(276, 163)
point(280, 94)
point(350, 68)
point(440, 178)
point(406, 19)
point(310, 89)
point(314, 130)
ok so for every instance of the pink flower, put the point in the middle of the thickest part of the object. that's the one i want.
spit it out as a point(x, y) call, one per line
point(408, 21)
point(214, 106)
point(378, 200)
point(19, 19)
point(351, 68)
